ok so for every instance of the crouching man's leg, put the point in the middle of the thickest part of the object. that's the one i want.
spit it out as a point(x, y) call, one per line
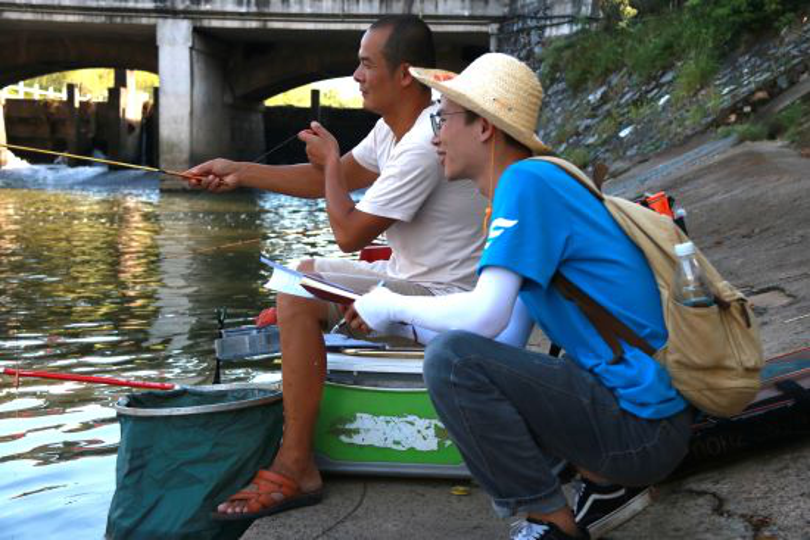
point(512, 411)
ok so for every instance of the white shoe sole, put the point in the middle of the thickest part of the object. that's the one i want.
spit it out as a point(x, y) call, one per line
point(632, 507)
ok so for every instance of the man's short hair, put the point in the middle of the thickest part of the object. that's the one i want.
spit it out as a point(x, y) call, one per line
point(410, 41)
point(470, 117)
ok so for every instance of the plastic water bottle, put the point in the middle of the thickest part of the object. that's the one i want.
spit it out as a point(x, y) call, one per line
point(690, 283)
point(679, 216)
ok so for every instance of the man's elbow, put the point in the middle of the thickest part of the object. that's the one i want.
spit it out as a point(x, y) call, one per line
point(490, 325)
point(350, 243)
point(489, 332)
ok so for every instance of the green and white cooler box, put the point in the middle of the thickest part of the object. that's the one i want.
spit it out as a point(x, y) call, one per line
point(376, 418)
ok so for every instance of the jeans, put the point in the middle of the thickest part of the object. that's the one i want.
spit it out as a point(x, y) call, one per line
point(514, 413)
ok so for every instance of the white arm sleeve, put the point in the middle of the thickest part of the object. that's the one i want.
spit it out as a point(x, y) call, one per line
point(520, 326)
point(517, 332)
point(486, 310)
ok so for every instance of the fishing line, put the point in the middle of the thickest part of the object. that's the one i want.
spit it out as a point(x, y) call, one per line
point(194, 252)
point(276, 147)
point(132, 165)
point(100, 160)
point(349, 514)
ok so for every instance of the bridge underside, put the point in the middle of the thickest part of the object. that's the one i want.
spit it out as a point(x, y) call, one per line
point(214, 75)
point(30, 49)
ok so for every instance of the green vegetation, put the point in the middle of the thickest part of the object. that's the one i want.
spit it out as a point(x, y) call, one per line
point(714, 100)
point(617, 12)
point(608, 127)
point(791, 124)
point(745, 132)
point(693, 36)
point(694, 74)
point(639, 111)
point(695, 114)
point(578, 156)
point(567, 130)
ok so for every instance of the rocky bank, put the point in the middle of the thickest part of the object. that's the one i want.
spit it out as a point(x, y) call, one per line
point(622, 123)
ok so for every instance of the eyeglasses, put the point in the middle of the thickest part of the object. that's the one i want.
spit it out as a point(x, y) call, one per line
point(438, 119)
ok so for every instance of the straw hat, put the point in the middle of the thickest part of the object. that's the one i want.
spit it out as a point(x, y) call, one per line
point(498, 87)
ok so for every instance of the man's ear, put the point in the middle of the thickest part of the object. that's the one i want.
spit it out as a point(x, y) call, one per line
point(405, 77)
point(486, 130)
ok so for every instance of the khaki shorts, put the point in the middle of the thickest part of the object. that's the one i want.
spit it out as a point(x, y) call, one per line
point(361, 277)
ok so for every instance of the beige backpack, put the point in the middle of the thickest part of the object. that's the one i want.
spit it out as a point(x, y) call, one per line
point(713, 354)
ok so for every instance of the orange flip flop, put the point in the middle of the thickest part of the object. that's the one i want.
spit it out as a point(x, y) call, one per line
point(261, 503)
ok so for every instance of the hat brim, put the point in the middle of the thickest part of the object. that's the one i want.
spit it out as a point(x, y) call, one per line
point(441, 81)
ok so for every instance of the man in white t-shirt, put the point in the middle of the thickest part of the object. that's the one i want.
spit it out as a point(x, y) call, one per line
point(433, 227)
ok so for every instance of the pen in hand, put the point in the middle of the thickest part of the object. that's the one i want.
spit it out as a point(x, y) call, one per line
point(343, 323)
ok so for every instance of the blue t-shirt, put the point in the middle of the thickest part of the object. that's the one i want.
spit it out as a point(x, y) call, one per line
point(544, 220)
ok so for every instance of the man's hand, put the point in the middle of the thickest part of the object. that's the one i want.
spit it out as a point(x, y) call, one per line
point(375, 310)
point(322, 146)
point(217, 176)
point(353, 319)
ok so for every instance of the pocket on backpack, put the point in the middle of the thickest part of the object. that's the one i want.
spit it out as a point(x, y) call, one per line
point(713, 354)
point(694, 341)
point(741, 328)
point(743, 334)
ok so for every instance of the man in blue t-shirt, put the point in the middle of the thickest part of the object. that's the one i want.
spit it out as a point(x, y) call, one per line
point(517, 416)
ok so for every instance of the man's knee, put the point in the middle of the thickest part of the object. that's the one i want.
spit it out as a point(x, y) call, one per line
point(307, 265)
point(291, 307)
point(440, 355)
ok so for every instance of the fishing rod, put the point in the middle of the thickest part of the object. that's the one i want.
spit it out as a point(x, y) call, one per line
point(100, 160)
point(17, 373)
point(259, 159)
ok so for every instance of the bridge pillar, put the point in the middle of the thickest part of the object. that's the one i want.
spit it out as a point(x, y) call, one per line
point(174, 39)
point(198, 117)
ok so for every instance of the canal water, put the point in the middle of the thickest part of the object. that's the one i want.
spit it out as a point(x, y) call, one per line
point(101, 274)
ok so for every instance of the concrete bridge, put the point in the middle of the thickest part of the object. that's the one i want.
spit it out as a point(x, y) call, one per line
point(219, 59)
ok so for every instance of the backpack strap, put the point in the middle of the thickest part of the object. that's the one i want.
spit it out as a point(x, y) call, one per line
point(574, 172)
point(608, 325)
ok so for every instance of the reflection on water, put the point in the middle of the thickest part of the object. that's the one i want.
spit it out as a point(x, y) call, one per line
point(100, 274)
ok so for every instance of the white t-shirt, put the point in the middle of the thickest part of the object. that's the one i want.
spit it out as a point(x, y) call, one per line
point(438, 236)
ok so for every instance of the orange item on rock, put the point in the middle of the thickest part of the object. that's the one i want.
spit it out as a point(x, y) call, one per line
point(660, 203)
point(267, 317)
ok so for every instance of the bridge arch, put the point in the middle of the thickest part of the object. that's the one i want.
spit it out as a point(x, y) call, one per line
point(291, 66)
point(28, 51)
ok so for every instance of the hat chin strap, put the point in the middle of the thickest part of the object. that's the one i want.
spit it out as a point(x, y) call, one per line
point(488, 211)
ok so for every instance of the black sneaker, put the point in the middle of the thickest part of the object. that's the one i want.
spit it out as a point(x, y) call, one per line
point(566, 473)
point(534, 530)
point(600, 509)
